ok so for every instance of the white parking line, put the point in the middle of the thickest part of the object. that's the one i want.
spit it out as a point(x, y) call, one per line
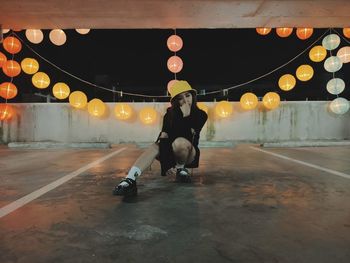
point(43, 190)
point(304, 163)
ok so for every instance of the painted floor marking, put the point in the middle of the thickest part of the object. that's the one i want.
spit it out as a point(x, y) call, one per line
point(43, 190)
point(347, 176)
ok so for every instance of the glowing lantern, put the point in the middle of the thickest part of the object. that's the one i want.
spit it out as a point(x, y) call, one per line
point(271, 100)
point(304, 33)
point(175, 64)
point(3, 59)
point(223, 109)
point(34, 36)
point(78, 99)
point(317, 53)
point(4, 31)
point(148, 115)
point(83, 31)
point(287, 82)
point(96, 107)
point(123, 111)
point(304, 72)
point(8, 90)
point(174, 43)
point(331, 41)
point(333, 64)
point(249, 101)
point(61, 90)
point(12, 45)
point(346, 32)
point(30, 65)
point(6, 112)
point(284, 31)
point(58, 37)
point(11, 68)
point(263, 30)
point(203, 106)
point(344, 54)
point(335, 86)
point(339, 105)
point(170, 84)
point(41, 80)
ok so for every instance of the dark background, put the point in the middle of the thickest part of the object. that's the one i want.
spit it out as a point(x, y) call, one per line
point(136, 61)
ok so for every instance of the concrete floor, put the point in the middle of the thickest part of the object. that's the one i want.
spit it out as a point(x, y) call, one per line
point(243, 206)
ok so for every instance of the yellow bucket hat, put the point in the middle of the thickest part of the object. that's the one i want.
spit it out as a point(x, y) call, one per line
point(179, 87)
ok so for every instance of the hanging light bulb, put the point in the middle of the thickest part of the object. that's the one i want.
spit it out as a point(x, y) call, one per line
point(335, 86)
point(339, 106)
point(82, 31)
point(35, 36)
point(333, 64)
point(174, 43)
point(331, 41)
point(58, 37)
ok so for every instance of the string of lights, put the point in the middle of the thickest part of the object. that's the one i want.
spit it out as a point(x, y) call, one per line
point(222, 91)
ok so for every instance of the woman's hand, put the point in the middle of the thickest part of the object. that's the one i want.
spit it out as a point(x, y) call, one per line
point(186, 109)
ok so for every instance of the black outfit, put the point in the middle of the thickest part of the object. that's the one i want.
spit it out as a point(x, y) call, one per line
point(176, 125)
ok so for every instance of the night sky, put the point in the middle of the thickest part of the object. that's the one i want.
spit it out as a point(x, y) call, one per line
point(214, 59)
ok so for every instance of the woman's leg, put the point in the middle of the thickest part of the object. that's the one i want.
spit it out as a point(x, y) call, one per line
point(147, 157)
point(184, 151)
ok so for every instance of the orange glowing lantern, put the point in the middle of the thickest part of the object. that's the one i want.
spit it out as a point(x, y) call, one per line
point(223, 109)
point(263, 30)
point(304, 72)
point(304, 33)
point(346, 32)
point(287, 82)
point(203, 107)
point(317, 53)
point(96, 107)
point(249, 101)
point(8, 90)
point(12, 45)
point(148, 115)
point(3, 59)
point(11, 68)
point(175, 64)
point(41, 80)
point(271, 100)
point(6, 112)
point(61, 90)
point(78, 99)
point(284, 31)
point(174, 43)
point(30, 66)
point(122, 111)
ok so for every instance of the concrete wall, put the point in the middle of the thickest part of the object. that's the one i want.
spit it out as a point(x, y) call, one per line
point(61, 123)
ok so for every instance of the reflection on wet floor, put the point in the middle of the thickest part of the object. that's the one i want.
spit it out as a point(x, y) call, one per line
point(242, 206)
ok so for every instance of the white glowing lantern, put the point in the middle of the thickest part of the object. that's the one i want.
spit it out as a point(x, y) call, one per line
point(335, 86)
point(4, 31)
point(58, 37)
point(339, 105)
point(332, 64)
point(34, 35)
point(344, 54)
point(331, 42)
point(82, 31)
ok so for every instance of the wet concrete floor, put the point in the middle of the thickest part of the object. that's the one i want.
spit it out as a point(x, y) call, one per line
point(243, 206)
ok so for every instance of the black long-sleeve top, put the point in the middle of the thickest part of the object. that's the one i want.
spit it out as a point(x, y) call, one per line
point(176, 125)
